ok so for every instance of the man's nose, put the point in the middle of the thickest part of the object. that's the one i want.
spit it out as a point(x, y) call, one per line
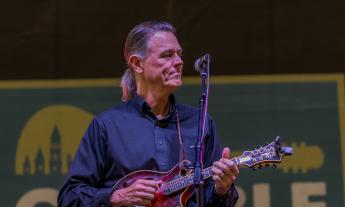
point(178, 60)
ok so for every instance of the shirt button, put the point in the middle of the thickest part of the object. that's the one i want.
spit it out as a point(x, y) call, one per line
point(160, 142)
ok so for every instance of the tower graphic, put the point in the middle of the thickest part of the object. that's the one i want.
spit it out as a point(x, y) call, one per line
point(39, 162)
point(55, 152)
point(27, 166)
point(55, 162)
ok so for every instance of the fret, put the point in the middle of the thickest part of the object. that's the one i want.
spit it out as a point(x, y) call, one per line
point(174, 185)
point(185, 181)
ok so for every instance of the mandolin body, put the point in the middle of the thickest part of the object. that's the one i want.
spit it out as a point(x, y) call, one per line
point(162, 199)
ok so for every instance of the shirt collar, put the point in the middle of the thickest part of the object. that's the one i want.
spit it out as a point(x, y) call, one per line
point(142, 106)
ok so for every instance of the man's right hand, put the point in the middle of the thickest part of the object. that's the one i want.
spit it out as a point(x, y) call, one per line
point(141, 193)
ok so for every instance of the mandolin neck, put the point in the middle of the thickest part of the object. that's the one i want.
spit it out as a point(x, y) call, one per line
point(185, 181)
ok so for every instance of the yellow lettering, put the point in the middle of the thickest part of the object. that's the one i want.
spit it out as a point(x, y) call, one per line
point(302, 191)
point(242, 197)
point(38, 195)
point(261, 197)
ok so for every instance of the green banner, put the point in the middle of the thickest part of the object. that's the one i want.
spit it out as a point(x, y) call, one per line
point(42, 123)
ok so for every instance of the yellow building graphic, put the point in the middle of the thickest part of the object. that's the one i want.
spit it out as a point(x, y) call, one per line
point(49, 140)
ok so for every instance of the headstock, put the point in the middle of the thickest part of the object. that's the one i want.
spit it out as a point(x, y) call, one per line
point(270, 154)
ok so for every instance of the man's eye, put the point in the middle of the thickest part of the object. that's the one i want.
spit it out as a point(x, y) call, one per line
point(166, 55)
point(169, 55)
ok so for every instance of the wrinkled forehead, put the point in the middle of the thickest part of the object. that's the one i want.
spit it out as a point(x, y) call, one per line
point(161, 41)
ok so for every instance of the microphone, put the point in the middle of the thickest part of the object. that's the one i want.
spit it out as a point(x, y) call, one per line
point(201, 63)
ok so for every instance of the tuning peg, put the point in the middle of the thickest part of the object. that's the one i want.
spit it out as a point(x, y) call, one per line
point(277, 139)
point(267, 166)
point(287, 150)
point(274, 166)
point(260, 167)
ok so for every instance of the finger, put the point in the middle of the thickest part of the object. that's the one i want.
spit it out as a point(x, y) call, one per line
point(222, 178)
point(227, 172)
point(142, 186)
point(145, 202)
point(232, 167)
point(216, 179)
point(225, 178)
point(146, 189)
point(133, 201)
point(217, 171)
point(235, 170)
point(138, 201)
point(226, 153)
point(149, 183)
point(144, 195)
point(222, 164)
point(222, 181)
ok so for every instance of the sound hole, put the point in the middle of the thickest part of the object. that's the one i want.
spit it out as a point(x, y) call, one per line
point(183, 172)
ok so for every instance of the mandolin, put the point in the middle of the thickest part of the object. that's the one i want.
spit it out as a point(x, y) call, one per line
point(177, 184)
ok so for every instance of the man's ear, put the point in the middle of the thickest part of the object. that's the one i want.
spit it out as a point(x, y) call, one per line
point(135, 63)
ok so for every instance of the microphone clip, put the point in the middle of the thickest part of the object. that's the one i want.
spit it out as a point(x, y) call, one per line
point(202, 64)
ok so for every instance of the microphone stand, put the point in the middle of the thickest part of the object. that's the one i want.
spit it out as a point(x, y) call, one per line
point(199, 146)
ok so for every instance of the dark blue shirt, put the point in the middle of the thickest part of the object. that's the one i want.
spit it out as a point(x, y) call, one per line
point(128, 138)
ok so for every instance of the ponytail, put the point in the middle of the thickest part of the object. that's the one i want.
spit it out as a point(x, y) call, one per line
point(128, 85)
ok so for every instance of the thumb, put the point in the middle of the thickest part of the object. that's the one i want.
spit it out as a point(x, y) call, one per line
point(226, 153)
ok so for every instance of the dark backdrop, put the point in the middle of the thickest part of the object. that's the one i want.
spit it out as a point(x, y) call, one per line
point(84, 38)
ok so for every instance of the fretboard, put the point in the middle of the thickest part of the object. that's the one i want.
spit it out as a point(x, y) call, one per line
point(185, 181)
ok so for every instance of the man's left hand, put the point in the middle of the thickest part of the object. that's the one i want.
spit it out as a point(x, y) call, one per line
point(225, 172)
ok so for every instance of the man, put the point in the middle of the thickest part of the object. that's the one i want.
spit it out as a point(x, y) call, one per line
point(148, 131)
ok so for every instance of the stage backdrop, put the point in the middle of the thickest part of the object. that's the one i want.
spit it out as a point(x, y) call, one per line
point(42, 123)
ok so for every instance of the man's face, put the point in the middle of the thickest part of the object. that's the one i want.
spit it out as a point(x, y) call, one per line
point(163, 64)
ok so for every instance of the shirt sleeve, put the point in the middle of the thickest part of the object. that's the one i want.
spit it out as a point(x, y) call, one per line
point(213, 152)
point(83, 184)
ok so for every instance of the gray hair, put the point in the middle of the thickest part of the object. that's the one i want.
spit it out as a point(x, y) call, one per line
point(137, 43)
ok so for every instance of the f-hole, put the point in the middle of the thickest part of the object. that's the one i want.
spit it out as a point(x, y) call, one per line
point(183, 172)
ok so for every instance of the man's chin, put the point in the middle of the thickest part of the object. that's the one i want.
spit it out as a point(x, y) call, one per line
point(175, 83)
